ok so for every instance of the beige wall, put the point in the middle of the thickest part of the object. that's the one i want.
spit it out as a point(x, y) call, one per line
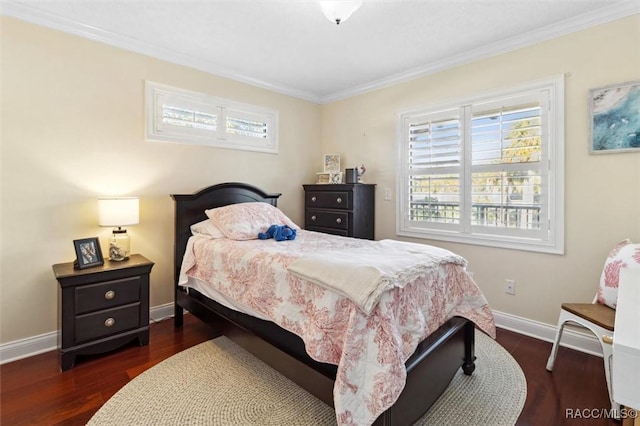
point(602, 191)
point(73, 130)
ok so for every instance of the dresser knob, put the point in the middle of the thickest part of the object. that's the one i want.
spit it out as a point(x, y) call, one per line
point(313, 199)
point(110, 295)
point(109, 322)
point(339, 220)
point(313, 218)
point(339, 200)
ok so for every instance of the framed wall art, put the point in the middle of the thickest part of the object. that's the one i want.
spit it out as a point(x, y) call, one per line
point(331, 163)
point(615, 118)
point(88, 253)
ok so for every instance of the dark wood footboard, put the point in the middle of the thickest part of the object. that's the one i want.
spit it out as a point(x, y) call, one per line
point(429, 370)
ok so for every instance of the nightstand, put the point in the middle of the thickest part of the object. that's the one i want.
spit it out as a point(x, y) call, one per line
point(340, 209)
point(102, 308)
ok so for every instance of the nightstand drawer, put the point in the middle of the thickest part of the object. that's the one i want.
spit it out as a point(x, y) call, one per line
point(107, 294)
point(329, 199)
point(107, 322)
point(327, 219)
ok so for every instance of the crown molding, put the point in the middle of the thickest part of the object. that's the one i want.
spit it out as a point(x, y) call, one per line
point(46, 19)
point(602, 16)
point(39, 17)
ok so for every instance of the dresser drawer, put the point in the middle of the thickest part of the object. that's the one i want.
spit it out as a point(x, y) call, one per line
point(327, 219)
point(333, 231)
point(108, 294)
point(329, 199)
point(107, 322)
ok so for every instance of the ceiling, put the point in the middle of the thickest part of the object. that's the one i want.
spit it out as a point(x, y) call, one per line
point(290, 47)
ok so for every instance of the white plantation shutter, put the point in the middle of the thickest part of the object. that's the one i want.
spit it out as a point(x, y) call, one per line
point(434, 142)
point(176, 115)
point(190, 118)
point(507, 176)
point(486, 171)
point(250, 128)
point(507, 131)
point(433, 162)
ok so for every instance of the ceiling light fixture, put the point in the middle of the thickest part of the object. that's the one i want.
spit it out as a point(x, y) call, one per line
point(339, 10)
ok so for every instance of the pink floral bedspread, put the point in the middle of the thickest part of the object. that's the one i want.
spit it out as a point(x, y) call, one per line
point(369, 350)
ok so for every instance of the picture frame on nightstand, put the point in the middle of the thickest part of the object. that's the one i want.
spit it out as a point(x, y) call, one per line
point(88, 253)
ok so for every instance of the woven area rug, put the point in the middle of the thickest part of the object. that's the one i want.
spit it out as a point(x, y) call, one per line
point(218, 383)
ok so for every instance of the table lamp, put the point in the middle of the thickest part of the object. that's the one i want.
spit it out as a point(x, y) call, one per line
point(119, 212)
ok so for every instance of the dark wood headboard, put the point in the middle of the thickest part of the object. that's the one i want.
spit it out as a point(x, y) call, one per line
point(190, 209)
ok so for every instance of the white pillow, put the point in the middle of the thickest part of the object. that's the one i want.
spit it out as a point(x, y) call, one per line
point(244, 221)
point(624, 255)
point(206, 228)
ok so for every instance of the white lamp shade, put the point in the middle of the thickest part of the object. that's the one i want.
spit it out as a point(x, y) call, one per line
point(339, 10)
point(118, 211)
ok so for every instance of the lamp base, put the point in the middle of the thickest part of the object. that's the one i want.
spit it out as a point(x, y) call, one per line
point(119, 245)
point(118, 259)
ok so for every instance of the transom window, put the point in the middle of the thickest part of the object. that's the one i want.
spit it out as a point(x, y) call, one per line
point(487, 170)
point(177, 115)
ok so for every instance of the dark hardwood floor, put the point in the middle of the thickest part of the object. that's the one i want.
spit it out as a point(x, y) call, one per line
point(33, 391)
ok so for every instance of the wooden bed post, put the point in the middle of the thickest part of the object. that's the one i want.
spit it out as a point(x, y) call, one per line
point(178, 315)
point(469, 365)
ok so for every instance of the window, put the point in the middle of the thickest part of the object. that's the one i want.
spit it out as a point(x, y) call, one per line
point(487, 170)
point(176, 115)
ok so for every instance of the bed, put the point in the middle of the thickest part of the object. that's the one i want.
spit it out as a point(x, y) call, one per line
point(429, 368)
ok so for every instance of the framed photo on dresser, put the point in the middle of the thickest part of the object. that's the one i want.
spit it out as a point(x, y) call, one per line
point(88, 253)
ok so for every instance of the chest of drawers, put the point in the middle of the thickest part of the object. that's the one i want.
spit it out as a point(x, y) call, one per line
point(102, 308)
point(341, 209)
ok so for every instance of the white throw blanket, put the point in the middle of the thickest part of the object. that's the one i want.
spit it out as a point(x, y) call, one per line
point(363, 274)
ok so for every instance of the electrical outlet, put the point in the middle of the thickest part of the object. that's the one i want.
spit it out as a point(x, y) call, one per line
point(510, 287)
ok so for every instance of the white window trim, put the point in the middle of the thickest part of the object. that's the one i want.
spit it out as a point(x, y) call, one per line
point(220, 138)
point(554, 244)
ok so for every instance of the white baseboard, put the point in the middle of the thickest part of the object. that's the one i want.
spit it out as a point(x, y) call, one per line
point(161, 312)
point(572, 337)
point(42, 343)
point(577, 340)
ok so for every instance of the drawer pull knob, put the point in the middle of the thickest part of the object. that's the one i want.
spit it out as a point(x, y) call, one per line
point(339, 220)
point(313, 218)
point(339, 200)
point(110, 295)
point(109, 322)
point(313, 199)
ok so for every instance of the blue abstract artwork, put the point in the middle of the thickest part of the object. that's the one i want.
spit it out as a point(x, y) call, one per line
point(615, 118)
